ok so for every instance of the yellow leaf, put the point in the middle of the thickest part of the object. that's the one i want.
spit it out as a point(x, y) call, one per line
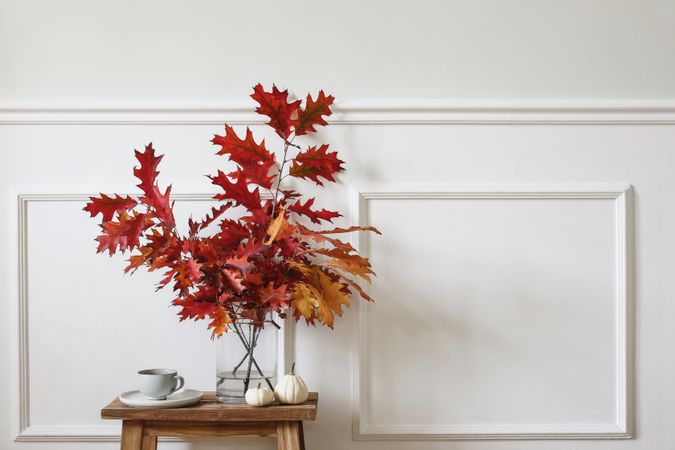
point(322, 297)
point(279, 228)
point(304, 299)
point(333, 297)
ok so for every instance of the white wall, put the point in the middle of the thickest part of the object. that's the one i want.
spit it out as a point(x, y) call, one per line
point(518, 157)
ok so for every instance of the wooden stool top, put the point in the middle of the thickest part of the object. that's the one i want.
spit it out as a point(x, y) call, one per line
point(211, 410)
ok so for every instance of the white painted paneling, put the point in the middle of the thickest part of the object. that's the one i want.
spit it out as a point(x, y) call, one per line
point(544, 156)
point(527, 92)
point(64, 381)
point(513, 299)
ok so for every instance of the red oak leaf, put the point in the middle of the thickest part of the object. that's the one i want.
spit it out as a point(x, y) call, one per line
point(244, 252)
point(237, 192)
point(314, 216)
point(185, 274)
point(109, 206)
point(260, 174)
point(192, 271)
point(196, 227)
point(122, 235)
point(312, 114)
point(234, 279)
point(161, 249)
point(270, 294)
point(231, 234)
point(198, 305)
point(253, 158)
point(147, 172)
point(316, 162)
point(244, 152)
point(191, 309)
point(275, 106)
point(163, 207)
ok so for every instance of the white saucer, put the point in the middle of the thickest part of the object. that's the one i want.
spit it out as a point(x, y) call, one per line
point(182, 398)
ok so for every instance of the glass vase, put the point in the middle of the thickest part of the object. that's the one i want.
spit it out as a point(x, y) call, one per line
point(245, 356)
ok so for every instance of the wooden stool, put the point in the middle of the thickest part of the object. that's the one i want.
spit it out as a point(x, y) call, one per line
point(142, 426)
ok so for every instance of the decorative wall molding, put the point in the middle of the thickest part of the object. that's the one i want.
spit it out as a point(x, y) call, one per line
point(350, 112)
point(624, 343)
point(25, 432)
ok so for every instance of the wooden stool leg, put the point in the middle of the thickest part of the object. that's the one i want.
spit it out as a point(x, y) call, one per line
point(290, 436)
point(132, 435)
point(302, 436)
point(149, 443)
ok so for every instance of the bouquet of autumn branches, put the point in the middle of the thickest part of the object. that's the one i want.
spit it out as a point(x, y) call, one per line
point(264, 261)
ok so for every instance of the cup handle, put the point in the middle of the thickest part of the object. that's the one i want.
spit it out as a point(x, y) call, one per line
point(180, 382)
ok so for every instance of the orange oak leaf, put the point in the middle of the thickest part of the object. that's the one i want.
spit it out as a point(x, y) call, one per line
point(352, 263)
point(109, 206)
point(136, 261)
point(312, 113)
point(355, 285)
point(279, 228)
point(349, 230)
point(221, 318)
point(318, 236)
point(316, 162)
point(314, 215)
point(186, 273)
point(275, 105)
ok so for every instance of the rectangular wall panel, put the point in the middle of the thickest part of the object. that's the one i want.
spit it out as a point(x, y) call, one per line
point(500, 312)
point(86, 327)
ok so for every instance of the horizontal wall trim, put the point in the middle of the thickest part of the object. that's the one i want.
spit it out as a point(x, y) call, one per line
point(349, 112)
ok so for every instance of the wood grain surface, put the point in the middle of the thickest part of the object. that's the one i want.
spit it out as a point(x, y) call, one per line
point(210, 410)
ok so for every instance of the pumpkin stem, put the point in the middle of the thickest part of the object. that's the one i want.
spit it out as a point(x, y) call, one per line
point(258, 385)
point(293, 368)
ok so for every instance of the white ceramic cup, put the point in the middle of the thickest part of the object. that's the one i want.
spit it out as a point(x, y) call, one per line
point(156, 384)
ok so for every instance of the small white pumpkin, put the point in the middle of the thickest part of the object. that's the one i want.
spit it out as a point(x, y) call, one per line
point(259, 396)
point(291, 389)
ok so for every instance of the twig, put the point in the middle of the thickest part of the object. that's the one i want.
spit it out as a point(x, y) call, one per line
point(249, 351)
